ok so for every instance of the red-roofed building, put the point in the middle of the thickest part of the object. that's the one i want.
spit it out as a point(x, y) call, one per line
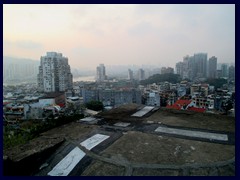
point(5, 103)
point(52, 99)
point(184, 105)
point(180, 104)
point(196, 109)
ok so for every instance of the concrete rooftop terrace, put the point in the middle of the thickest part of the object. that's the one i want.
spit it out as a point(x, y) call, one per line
point(163, 142)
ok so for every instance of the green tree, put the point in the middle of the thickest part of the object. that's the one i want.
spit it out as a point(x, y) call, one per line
point(157, 78)
point(227, 105)
point(217, 83)
point(95, 105)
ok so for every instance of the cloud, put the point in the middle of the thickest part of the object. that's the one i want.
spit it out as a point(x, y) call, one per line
point(23, 49)
point(141, 29)
point(118, 34)
point(150, 9)
point(22, 44)
point(82, 50)
point(28, 45)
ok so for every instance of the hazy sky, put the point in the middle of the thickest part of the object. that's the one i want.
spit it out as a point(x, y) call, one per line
point(119, 34)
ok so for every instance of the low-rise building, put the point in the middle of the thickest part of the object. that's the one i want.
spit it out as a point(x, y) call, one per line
point(14, 111)
point(74, 103)
point(186, 105)
point(34, 111)
point(153, 99)
point(56, 98)
point(115, 98)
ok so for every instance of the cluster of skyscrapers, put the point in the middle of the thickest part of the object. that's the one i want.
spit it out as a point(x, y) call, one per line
point(16, 72)
point(199, 66)
point(140, 74)
point(101, 74)
point(55, 74)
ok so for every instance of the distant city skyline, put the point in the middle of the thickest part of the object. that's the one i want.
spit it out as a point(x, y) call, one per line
point(120, 34)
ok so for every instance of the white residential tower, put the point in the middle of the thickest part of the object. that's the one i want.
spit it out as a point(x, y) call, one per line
point(54, 73)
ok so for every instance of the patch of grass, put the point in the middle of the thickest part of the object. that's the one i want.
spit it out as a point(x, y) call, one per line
point(13, 137)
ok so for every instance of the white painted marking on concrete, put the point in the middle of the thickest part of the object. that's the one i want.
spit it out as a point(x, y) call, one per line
point(143, 111)
point(150, 122)
point(66, 165)
point(88, 119)
point(94, 141)
point(189, 133)
point(121, 124)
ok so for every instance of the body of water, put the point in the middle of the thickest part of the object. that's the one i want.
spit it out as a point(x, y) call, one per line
point(84, 78)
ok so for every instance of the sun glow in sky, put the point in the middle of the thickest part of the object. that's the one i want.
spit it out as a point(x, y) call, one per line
point(119, 34)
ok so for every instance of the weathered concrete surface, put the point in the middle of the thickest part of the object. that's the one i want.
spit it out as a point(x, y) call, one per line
point(25, 159)
point(143, 111)
point(121, 124)
point(153, 149)
point(193, 133)
point(93, 141)
point(137, 150)
point(36, 146)
point(71, 131)
point(98, 168)
point(67, 164)
point(193, 120)
point(121, 114)
point(155, 172)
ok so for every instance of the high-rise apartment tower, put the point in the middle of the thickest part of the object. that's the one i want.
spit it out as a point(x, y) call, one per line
point(130, 74)
point(231, 73)
point(54, 73)
point(224, 68)
point(141, 74)
point(101, 73)
point(212, 67)
point(200, 63)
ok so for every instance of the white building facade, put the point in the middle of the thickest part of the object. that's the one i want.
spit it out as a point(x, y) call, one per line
point(101, 73)
point(141, 74)
point(153, 99)
point(54, 73)
point(130, 74)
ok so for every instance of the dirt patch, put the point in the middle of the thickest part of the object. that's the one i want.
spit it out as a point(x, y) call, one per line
point(48, 140)
point(36, 146)
point(154, 172)
point(137, 150)
point(148, 148)
point(72, 131)
point(122, 113)
point(193, 120)
point(99, 168)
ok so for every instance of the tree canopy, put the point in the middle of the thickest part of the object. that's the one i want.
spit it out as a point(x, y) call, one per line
point(217, 83)
point(157, 78)
point(95, 105)
point(227, 105)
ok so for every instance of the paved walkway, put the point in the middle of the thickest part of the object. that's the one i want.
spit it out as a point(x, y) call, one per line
point(191, 133)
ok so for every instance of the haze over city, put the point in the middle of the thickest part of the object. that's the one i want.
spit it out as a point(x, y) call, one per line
point(119, 34)
point(119, 90)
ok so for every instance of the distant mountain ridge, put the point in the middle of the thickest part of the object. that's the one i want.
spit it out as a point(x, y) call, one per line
point(8, 59)
point(18, 70)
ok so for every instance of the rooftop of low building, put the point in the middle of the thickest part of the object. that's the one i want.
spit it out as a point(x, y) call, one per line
point(52, 95)
point(163, 142)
